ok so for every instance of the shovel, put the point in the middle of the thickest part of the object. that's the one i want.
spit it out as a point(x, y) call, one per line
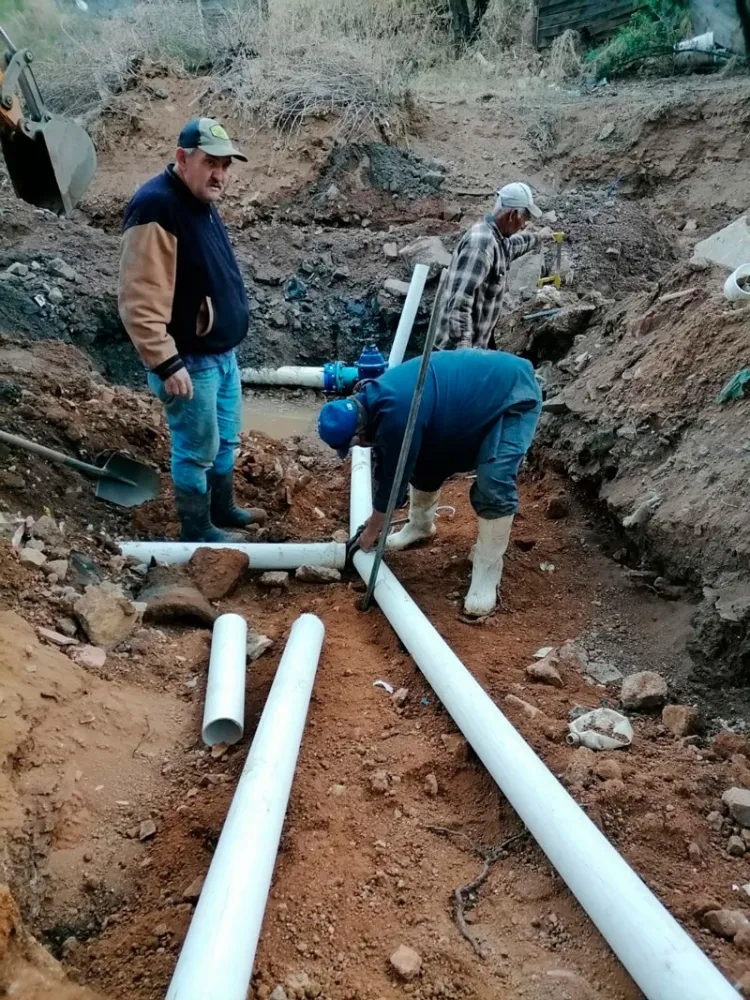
point(121, 480)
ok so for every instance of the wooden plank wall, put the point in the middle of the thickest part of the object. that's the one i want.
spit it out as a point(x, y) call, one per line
point(595, 19)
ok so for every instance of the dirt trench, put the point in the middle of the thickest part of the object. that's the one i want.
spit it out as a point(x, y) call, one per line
point(112, 806)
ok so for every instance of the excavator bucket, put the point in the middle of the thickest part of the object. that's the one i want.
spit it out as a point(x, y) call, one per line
point(52, 166)
point(51, 160)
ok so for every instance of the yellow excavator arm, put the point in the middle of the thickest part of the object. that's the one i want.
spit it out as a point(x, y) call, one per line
point(10, 118)
point(51, 160)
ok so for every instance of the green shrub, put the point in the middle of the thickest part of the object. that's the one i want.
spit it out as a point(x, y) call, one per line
point(652, 31)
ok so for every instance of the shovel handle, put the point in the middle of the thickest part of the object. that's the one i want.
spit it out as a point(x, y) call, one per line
point(60, 457)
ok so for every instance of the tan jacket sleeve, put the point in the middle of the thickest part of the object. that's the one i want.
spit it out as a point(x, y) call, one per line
point(148, 267)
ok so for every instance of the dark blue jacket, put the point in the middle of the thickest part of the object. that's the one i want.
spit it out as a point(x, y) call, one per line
point(465, 393)
point(180, 289)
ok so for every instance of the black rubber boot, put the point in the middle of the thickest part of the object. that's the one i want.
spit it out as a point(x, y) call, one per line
point(195, 521)
point(224, 511)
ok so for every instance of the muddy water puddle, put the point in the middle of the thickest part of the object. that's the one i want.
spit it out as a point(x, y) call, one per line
point(280, 416)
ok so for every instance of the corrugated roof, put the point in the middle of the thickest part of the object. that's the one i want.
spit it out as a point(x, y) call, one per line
point(595, 19)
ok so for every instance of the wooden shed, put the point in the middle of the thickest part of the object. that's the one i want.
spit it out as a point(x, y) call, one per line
point(596, 20)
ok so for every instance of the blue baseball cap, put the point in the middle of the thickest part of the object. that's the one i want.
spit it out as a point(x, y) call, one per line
point(337, 424)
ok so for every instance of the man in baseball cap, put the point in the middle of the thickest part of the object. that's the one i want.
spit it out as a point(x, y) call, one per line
point(183, 303)
point(207, 134)
point(478, 271)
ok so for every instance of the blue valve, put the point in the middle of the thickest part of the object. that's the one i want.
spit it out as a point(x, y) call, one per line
point(340, 378)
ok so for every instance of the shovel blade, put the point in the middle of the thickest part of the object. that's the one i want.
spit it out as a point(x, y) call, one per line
point(52, 167)
point(145, 482)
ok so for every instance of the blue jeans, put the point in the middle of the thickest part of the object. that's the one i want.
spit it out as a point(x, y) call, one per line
point(205, 430)
point(495, 490)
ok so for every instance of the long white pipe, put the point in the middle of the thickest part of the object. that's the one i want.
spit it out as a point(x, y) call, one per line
point(656, 951)
point(216, 960)
point(224, 711)
point(408, 314)
point(261, 555)
point(290, 375)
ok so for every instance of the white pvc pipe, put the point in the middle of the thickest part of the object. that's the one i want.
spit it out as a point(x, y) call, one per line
point(224, 712)
point(408, 314)
point(261, 555)
point(216, 960)
point(656, 951)
point(290, 375)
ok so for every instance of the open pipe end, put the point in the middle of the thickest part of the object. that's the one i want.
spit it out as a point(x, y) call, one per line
point(222, 731)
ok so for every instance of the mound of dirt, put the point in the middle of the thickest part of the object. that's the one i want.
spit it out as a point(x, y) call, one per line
point(642, 430)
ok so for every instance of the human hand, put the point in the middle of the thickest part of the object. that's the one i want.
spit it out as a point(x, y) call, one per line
point(368, 540)
point(179, 384)
point(546, 233)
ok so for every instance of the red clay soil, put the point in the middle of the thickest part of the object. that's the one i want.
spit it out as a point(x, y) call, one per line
point(360, 871)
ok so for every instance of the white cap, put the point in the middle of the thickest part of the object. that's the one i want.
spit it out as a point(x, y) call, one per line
point(518, 196)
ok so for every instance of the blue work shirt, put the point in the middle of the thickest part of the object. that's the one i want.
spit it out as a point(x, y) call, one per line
point(465, 393)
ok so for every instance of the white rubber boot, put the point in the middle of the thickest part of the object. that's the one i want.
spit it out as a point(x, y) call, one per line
point(487, 556)
point(421, 523)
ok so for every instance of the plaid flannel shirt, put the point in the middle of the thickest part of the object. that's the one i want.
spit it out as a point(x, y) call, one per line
point(476, 283)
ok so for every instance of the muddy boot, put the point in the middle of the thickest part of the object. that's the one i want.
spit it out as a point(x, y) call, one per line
point(421, 523)
point(224, 512)
point(195, 521)
point(487, 556)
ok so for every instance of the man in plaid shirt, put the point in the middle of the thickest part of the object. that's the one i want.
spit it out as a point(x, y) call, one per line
point(478, 274)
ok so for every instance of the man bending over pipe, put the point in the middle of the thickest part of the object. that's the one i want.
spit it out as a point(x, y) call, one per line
point(479, 411)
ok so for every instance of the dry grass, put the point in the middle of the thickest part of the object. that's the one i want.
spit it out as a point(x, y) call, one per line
point(565, 65)
point(283, 61)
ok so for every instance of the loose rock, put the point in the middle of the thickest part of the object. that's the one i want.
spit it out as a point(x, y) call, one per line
point(317, 574)
point(427, 250)
point(399, 697)
point(603, 671)
point(608, 769)
point(274, 578)
point(737, 800)
point(279, 993)
point(193, 891)
point(147, 830)
point(431, 785)
point(171, 596)
point(46, 528)
point(643, 690)
point(406, 962)
point(680, 720)
point(390, 250)
point(736, 847)
point(67, 627)
point(90, 657)
point(395, 287)
point(216, 572)
point(56, 638)
point(694, 853)
point(379, 782)
point(32, 557)
point(725, 923)
point(106, 619)
point(545, 672)
point(63, 270)
point(257, 645)
point(531, 711)
point(59, 567)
